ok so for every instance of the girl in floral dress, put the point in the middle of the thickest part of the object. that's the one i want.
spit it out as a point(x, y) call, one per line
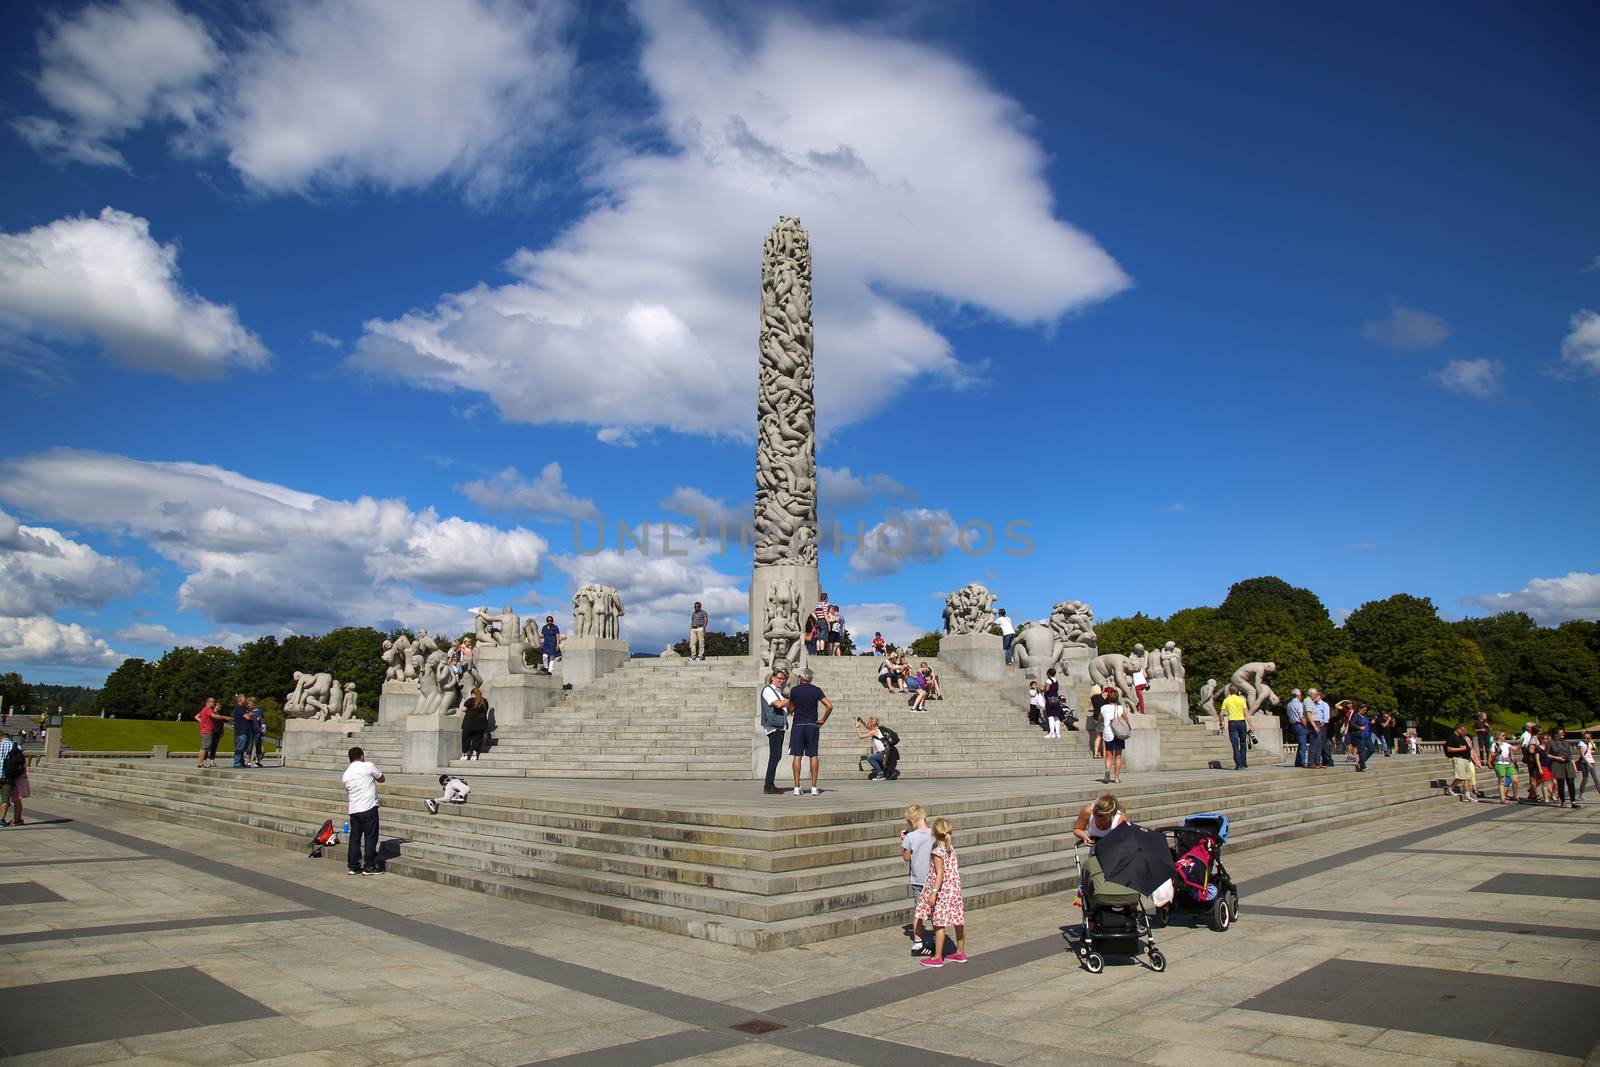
point(940, 904)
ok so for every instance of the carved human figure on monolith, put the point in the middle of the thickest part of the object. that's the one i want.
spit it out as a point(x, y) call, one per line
point(781, 640)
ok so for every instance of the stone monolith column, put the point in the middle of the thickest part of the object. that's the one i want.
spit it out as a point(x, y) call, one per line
point(784, 582)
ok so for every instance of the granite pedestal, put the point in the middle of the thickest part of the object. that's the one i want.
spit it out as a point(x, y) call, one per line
point(396, 700)
point(303, 735)
point(583, 659)
point(517, 698)
point(981, 657)
point(431, 741)
point(1167, 696)
point(806, 581)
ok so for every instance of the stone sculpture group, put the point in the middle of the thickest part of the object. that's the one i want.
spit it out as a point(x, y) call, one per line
point(596, 611)
point(969, 610)
point(320, 697)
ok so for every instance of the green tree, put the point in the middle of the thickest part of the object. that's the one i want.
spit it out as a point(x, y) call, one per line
point(1442, 680)
point(1251, 601)
point(185, 677)
point(1210, 647)
point(1556, 678)
point(126, 693)
point(927, 646)
point(1385, 633)
point(15, 694)
point(719, 644)
point(1120, 634)
point(260, 670)
point(1347, 678)
point(352, 654)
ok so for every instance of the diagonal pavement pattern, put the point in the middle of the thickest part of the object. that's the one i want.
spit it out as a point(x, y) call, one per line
point(1371, 942)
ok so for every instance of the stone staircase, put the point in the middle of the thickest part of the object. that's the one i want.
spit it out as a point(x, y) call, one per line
point(761, 874)
point(671, 719)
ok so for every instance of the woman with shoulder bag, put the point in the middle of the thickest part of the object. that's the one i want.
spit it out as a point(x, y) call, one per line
point(1114, 737)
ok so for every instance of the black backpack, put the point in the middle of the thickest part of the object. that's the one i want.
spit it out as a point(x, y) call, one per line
point(890, 738)
point(16, 763)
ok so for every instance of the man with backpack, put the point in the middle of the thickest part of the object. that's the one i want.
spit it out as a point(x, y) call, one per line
point(13, 778)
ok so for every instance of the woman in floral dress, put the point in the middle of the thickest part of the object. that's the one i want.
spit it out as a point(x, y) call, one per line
point(940, 904)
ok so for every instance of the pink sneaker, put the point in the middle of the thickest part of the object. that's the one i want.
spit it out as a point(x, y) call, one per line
point(956, 957)
point(932, 961)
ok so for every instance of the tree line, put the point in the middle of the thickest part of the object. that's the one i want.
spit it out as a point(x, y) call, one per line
point(180, 681)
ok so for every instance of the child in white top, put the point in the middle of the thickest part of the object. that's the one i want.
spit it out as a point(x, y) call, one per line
point(455, 792)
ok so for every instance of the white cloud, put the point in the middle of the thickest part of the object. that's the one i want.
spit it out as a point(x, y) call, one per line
point(326, 340)
point(107, 279)
point(155, 635)
point(659, 590)
point(546, 496)
point(1580, 352)
point(890, 619)
point(912, 174)
point(258, 555)
point(617, 437)
point(340, 94)
point(394, 93)
point(1474, 377)
point(1407, 329)
point(113, 67)
point(711, 512)
point(42, 571)
point(1549, 600)
point(916, 535)
point(41, 639)
point(839, 490)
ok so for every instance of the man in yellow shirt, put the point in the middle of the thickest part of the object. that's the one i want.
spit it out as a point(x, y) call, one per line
point(1237, 714)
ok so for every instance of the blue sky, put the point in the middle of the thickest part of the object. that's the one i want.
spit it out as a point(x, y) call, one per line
point(343, 312)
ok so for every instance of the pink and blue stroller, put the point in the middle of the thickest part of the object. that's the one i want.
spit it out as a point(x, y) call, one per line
point(1202, 886)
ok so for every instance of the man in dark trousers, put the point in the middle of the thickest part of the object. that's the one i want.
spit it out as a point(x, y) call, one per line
point(806, 731)
point(244, 730)
point(361, 783)
point(773, 720)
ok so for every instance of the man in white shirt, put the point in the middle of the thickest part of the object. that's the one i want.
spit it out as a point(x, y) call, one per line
point(1008, 631)
point(361, 783)
point(773, 719)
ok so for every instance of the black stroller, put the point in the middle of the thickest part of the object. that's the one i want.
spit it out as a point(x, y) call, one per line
point(1114, 920)
point(1203, 887)
point(891, 755)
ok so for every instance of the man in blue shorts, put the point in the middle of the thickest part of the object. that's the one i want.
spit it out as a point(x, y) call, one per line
point(806, 728)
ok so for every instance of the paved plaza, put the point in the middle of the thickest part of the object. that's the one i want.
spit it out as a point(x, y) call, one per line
point(1446, 934)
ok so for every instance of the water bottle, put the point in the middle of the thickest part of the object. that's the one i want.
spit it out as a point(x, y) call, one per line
point(347, 828)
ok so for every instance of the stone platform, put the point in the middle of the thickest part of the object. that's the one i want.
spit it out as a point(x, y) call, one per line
point(719, 860)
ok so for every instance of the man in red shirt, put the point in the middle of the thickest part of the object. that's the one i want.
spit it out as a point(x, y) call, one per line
point(210, 721)
point(819, 622)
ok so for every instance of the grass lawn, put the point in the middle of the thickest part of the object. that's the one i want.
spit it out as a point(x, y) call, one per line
point(135, 735)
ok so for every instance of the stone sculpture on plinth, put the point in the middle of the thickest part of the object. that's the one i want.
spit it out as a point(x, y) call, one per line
point(488, 630)
point(786, 449)
point(1251, 681)
point(310, 697)
point(1167, 690)
point(595, 646)
point(967, 644)
point(1208, 698)
point(1073, 623)
point(1115, 670)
